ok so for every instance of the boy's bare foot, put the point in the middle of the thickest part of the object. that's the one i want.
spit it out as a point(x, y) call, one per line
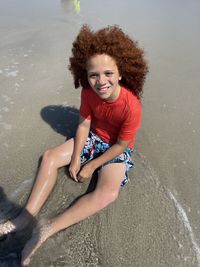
point(17, 224)
point(40, 235)
point(6, 228)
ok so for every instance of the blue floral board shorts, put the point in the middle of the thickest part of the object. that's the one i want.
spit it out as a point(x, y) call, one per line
point(95, 146)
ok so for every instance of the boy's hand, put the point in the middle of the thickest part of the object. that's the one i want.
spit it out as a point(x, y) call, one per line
point(86, 172)
point(74, 168)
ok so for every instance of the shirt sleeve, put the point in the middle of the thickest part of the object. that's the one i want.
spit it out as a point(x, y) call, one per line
point(131, 123)
point(85, 109)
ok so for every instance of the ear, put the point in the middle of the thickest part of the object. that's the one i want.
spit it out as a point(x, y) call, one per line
point(120, 77)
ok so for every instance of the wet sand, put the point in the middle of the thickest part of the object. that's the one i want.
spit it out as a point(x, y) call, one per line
point(155, 221)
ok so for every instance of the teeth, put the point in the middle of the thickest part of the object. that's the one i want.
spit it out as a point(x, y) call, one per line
point(103, 89)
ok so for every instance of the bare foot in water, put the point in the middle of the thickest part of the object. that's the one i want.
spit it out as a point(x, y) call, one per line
point(39, 236)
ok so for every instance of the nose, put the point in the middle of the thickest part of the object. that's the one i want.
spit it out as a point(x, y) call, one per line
point(102, 80)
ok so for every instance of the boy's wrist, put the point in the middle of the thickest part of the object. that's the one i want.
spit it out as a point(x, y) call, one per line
point(93, 164)
point(76, 156)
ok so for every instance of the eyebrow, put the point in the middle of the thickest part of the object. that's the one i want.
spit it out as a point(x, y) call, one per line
point(96, 72)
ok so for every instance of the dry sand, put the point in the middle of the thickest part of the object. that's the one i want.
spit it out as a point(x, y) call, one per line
point(155, 221)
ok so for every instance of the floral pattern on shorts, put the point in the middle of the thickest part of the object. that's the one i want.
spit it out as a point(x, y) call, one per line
point(95, 146)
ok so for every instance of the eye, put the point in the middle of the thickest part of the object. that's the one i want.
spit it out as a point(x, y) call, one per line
point(93, 75)
point(108, 73)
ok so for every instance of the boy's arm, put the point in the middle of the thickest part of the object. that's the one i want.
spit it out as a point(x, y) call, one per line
point(81, 136)
point(114, 151)
point(79, 142)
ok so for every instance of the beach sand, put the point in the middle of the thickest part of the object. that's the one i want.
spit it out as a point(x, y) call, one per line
point(155, 221)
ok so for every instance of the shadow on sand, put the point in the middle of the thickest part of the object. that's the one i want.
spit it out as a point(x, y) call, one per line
point(62, 119)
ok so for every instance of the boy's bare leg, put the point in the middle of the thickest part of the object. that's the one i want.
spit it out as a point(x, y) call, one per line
point(52, 160)
point(106, 191)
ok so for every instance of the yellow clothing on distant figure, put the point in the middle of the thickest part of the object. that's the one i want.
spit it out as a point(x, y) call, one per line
point(77, 6)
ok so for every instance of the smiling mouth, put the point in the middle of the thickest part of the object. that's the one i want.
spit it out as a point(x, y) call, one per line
point(103, 89)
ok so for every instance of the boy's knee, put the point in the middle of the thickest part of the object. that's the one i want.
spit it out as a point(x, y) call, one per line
point(112, 196)
point(49, 157)
point(107, 197)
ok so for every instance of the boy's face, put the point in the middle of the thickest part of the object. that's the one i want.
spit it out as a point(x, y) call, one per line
point(103, 76)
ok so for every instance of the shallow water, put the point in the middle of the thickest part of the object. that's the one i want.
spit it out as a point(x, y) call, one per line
point(36, 88)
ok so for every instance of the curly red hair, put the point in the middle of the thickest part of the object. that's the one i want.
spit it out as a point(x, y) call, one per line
point(114, 42)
